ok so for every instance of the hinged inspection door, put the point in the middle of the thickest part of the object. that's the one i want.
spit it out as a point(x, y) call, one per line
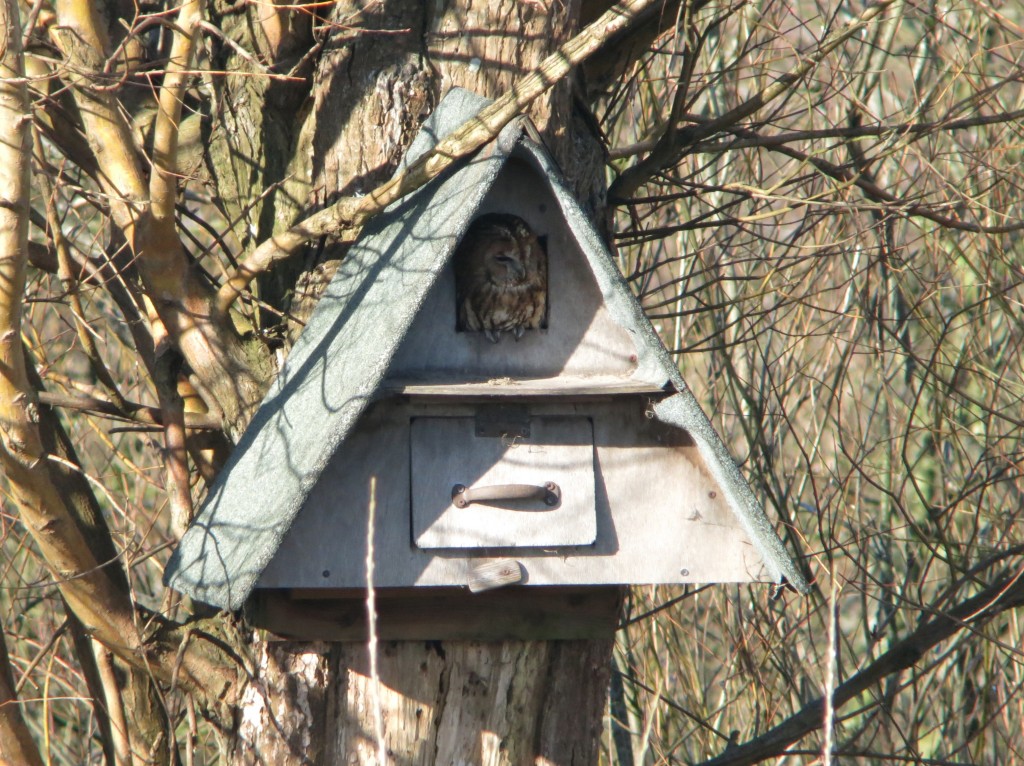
point(481, 487)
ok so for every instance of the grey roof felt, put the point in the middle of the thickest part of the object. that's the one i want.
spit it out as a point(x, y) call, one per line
point(341, 358)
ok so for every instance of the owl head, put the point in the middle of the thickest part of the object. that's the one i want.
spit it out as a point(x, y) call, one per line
point(499, 248)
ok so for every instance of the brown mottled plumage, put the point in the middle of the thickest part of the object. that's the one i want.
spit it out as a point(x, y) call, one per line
point(501, 277)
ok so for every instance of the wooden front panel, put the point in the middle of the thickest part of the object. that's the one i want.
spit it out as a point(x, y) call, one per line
point(449, 452)
point(660, 517)
point(581, 337)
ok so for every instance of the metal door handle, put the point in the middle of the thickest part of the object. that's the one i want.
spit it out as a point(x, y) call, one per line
point(463, 496)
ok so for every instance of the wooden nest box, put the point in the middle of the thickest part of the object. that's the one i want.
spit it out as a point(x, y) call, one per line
point(569, 457)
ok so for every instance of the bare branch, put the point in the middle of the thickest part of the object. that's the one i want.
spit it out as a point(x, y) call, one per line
point(16, 745)
point(344, 219)
point(1006, 592)
point(163, 183)
point(675, 141)
point(177, 296)
point(81, 36)
point(751, 139)
point(96, 597)
point(22, 451)
point(133, 412)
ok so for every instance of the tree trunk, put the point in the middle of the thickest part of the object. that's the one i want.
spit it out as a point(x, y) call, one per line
point(504, 703)
point(508, 702)
point(453, 702)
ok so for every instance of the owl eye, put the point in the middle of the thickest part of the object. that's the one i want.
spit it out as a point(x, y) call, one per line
point(505, 259)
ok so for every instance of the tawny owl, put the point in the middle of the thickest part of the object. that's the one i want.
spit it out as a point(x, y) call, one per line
point(501, 277)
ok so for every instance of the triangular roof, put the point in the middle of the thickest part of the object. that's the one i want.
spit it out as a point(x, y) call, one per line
point(340, 361)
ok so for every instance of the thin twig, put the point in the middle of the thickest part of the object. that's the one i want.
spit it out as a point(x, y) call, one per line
point(371, 621)
point(134, 412)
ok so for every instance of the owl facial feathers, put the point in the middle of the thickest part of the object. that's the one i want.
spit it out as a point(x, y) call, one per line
point(501, 277)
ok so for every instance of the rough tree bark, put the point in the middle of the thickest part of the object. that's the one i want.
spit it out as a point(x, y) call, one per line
point(452, 702)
